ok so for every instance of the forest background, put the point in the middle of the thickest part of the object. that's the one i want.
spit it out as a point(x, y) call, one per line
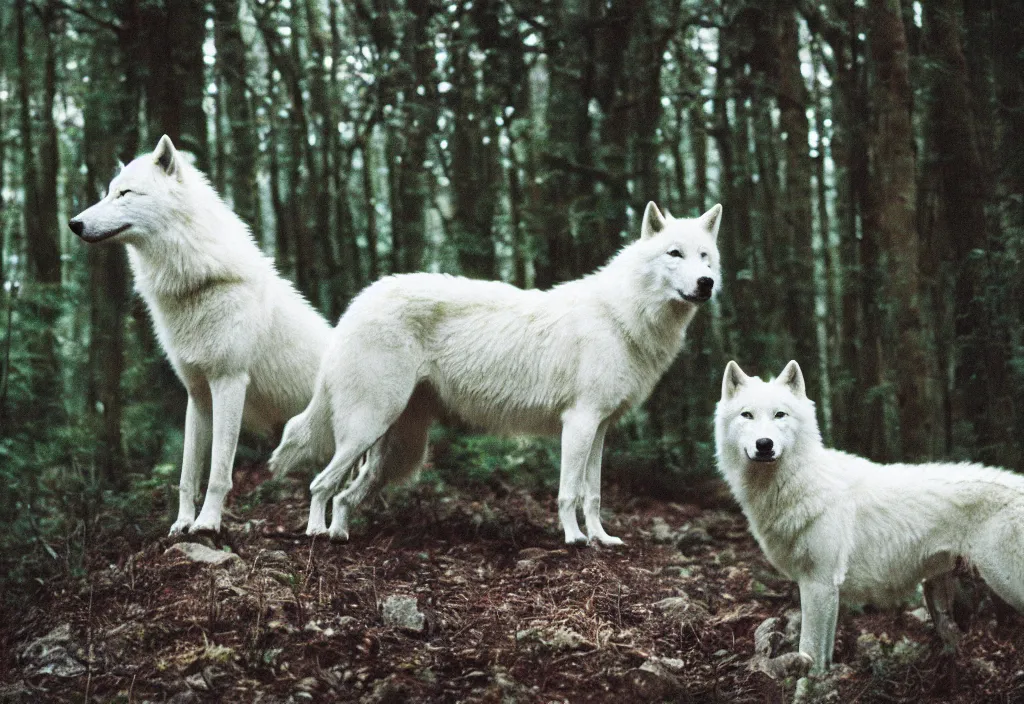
point(869, 157)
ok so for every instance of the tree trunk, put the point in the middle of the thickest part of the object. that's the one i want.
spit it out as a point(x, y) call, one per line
point(798, 286)
point(175, 76)
point(243, 158)
point(42, 244)
point(908, 365)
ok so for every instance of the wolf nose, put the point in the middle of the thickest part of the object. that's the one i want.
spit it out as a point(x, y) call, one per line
point(705, 284)
point(764, 446)
point(77, 226)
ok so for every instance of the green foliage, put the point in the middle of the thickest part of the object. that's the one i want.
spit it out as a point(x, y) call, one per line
point(465, 459)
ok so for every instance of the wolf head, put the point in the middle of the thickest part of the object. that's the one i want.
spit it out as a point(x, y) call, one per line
point(140, 201)
point(762, 422)
point(681, 254)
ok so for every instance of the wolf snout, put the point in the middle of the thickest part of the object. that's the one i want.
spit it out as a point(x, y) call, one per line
point(77, 226)
point(765, 449)
point(704, 285)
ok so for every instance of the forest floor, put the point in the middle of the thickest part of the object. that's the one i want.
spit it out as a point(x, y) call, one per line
point(504, 612)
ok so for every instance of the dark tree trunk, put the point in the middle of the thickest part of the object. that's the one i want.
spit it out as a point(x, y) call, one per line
point(42, 244)
point(175, 76)
point(568, 49)
point(908, 364)
point(243, 158)
point(798, 286)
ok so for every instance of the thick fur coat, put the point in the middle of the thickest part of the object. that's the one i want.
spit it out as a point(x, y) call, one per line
point(243, 341)
point(846, 528)
point(569, 360)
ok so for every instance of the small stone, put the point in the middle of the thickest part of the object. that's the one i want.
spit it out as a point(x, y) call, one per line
point(656, 679)
point(273, 557)
point(307, 684)
point(660, 531)
point(197, 682)
point(194, 552)
point(767, 637)
point(920, 614)
point(566, 639)
point(683, 608)
point(52, 654)
point(693, 536)
point(402, 612)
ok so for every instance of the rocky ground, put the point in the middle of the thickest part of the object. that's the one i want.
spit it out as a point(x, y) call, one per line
point(468, 595)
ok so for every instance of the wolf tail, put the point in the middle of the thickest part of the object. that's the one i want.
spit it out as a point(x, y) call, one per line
point(308, 437)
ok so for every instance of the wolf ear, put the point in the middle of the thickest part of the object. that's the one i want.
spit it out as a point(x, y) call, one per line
point(711, 220)
point(792, 378)
point(166, 155)
point(732, 381)
point(654, 221)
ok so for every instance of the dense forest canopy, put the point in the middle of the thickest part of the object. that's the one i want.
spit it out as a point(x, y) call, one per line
point(869, 156)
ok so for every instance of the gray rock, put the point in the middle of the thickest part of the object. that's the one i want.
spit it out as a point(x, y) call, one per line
point(661, 532)
point(53, 654)
point(692, 536)
point(557, 639)
point(683, 609)
point(921, 614)
point(658, 679)
point(767, 637)
point(194, 552)
point(402, 612)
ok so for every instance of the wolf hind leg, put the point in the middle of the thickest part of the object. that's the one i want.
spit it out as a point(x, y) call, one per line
point(397, 454)
point(307, 438)
point(368, 390)
point(939, 592)
point(999, 558)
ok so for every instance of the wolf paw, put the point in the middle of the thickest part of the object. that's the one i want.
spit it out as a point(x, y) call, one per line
point(314, 530)
point(608, 540)
point(338, 535)
point(205, 525)
point(181, 526)
point(578, 539)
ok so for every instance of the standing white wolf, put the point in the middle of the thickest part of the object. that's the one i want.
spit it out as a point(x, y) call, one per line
point(243, 341)
point(844, 527)
point(568, 360)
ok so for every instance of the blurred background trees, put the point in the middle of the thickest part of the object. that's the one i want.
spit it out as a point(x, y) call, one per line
point(869, 155)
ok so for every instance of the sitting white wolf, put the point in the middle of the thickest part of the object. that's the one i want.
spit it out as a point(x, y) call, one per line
point(568, 360)
point(844, 527)
point(243, 341)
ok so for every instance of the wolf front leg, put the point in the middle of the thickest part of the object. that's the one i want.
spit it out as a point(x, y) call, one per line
point(592, 491)
point(819, 610)
point(197, 448)
point(579, 430)
point(228, 404)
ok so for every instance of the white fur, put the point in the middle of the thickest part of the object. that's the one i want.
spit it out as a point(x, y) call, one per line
point(844, 527)
point(243, 341)
point(568, 360)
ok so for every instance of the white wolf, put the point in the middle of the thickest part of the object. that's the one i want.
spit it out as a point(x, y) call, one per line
point(844, 527)
point(243, 341)
point(568, 360)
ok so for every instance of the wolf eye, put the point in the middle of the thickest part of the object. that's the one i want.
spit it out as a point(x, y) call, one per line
point(748, 415)
point(124, 192)
point(704, 256)
point(675, 253)
point(780, 414)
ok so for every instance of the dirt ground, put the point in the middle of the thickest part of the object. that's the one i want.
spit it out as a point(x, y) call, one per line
point(502, 612)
